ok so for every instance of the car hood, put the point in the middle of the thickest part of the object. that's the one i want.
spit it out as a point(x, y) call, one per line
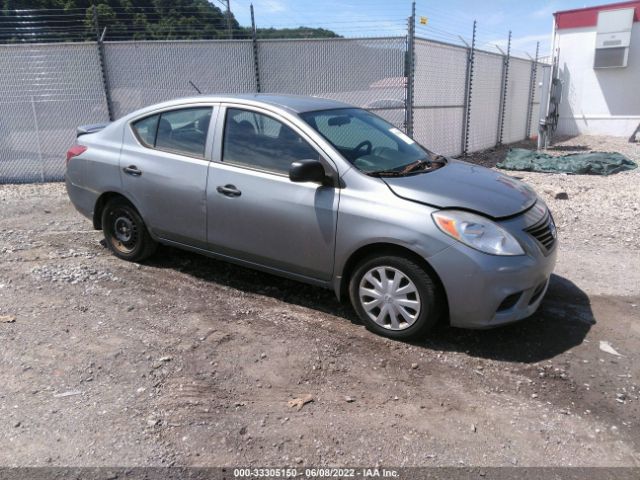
point(464, 185)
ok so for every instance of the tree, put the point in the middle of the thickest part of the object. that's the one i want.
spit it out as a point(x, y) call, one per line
point(300, 32)
point(73, 20)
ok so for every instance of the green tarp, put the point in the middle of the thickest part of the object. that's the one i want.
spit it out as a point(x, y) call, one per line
point(593, 163)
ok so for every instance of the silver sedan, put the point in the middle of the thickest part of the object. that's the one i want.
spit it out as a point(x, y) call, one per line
point(325, 193)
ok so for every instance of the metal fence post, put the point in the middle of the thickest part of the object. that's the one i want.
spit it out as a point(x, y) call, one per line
point(471, 51)
point(532, 91)
point(101, 62)
point(254, 40)
point(503, 96)
point(411, 53)
point(35, 124)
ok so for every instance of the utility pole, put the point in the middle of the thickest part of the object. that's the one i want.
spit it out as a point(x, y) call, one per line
point(228, 15)
point(229, 19)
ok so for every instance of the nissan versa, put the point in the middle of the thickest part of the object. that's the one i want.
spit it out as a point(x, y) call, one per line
point(325, 193)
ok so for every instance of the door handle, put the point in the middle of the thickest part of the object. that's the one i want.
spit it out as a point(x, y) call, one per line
point(132, 170)
point(229, 190)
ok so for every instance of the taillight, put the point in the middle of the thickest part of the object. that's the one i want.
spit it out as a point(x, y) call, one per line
point(75, 151)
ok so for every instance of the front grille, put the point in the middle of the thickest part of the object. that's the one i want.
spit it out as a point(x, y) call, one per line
point(544, 231)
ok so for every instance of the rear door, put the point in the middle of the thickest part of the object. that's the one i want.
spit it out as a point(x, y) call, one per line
point(164, 166)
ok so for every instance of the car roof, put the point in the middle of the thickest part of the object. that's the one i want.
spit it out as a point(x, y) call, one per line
point(293, 103)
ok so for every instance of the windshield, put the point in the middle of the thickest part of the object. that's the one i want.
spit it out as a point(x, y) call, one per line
point(367, 141)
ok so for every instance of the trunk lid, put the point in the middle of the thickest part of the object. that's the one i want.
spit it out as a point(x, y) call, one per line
point(92, 128)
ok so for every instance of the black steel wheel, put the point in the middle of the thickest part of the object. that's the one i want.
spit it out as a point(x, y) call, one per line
point(125, 232)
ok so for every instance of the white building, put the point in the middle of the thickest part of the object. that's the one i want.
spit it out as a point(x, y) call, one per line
point(598, 55)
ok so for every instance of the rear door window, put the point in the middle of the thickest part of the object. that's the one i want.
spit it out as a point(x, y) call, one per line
point(182, 131)
point(145, 130)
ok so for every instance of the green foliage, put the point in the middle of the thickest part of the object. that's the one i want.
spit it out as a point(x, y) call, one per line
point(64, 20)
point(300, 32)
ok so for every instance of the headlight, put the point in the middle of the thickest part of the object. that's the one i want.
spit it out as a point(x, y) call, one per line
point(477, 232)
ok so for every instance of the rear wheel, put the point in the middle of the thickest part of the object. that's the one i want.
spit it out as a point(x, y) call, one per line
point(395, 297)
point(125, 232)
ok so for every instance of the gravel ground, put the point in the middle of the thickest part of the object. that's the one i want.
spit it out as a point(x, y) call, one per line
point(189, 361)
point(600, 216)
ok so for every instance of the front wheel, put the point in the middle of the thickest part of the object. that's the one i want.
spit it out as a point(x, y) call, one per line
point(125, 232)
point(395, 297)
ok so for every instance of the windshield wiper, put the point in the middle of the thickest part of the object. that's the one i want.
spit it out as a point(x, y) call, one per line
point(385, 173)
point(413, 166)
point(436, 161)
point(398, 173)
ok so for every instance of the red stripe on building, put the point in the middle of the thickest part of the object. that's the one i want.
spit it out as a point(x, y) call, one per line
point(588, 17)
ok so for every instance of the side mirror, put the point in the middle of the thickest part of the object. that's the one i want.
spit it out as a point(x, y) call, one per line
point(307, 171)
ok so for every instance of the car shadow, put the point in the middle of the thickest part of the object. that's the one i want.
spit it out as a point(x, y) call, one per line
point(251, 281)
point(562, 321)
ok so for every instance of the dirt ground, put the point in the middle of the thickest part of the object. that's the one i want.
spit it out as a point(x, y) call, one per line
point(189, 361)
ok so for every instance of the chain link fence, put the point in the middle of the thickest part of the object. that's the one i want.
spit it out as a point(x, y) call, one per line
point(368, 73)
point(142, 73)
point(484, 115)
point(517, 100)
point(47, 90)
point(540, 72)
point(439, 96)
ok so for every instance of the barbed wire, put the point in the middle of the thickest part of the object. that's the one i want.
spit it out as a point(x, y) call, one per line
point(211, 22)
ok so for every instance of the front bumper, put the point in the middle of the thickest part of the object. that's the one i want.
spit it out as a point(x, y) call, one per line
point(485, 291)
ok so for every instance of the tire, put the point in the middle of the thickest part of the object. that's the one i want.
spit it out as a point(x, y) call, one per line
point(414, 284)
point(125, 232)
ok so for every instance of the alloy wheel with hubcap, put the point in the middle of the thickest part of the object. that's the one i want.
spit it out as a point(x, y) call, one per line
point(395, 296)
point(389, 298)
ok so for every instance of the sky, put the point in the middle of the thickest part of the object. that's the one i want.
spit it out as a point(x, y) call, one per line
point(529, 21)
